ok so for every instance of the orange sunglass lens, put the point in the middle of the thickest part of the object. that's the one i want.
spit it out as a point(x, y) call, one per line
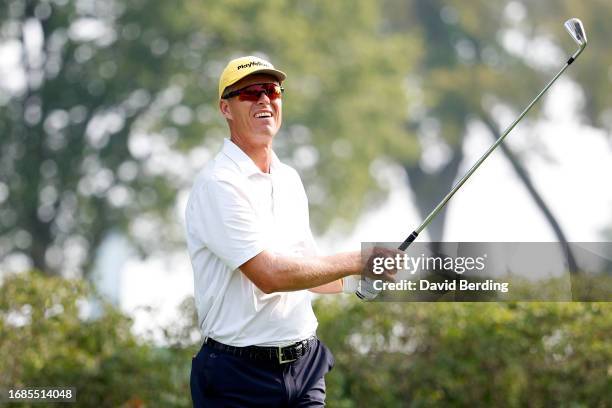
point(253, 92)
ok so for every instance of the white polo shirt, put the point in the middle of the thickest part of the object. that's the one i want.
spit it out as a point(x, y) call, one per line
point(234, 212)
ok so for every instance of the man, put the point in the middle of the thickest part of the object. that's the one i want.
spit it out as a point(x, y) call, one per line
point(254, 258)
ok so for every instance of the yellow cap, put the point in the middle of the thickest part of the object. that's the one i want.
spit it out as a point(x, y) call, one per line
point(241, 67)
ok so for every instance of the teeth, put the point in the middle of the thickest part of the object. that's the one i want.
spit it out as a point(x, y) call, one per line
point(263, 115)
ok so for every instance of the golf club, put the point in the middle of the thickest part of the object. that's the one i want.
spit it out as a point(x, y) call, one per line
point(576, 30)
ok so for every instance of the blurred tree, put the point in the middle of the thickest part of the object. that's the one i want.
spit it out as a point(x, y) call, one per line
point(72, 157)
point(464, 79)
point(483, 62)
point(345, 102)
point(110, 108)
point(592, 74)
point(47, 340)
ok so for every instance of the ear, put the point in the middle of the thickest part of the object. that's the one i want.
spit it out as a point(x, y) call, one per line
point(225, 109)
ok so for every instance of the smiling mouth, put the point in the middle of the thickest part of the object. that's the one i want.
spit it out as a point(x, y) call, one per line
point(261, 115)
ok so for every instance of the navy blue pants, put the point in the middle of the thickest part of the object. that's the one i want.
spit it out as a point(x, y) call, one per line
point(220, 379)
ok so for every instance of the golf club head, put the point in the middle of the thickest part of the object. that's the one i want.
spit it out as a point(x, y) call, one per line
point(575, 28)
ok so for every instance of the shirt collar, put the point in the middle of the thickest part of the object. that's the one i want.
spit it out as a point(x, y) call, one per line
point(244, 162)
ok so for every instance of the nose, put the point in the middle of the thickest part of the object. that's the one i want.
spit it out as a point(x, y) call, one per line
point(263, 98)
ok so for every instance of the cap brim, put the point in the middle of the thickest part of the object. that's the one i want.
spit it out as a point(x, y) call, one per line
point(280, 75)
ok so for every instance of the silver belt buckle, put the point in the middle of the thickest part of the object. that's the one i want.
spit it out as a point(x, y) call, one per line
point(280, 357)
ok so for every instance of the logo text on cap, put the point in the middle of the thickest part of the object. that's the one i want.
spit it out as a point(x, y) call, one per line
point(252, 63)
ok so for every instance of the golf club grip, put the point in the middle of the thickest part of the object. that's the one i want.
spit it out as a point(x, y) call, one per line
point(408, 241)
point(402, 247)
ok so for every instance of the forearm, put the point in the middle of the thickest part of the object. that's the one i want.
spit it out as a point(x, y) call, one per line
point(329, 288)
point(305, 273)
point(278, 273)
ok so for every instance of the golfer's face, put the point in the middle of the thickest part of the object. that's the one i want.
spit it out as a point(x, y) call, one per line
point(257, 121)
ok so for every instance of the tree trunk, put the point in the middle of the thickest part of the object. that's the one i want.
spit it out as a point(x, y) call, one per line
point(522, 174)
point(429, 189)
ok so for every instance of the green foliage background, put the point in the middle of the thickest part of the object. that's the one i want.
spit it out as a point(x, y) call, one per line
point(387, 354)
point(117, 109)
point(475, 354)
point(47, 341)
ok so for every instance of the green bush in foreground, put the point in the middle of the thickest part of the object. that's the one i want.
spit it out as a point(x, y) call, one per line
point(469, 354)
point(387, 354)
point(44, 343)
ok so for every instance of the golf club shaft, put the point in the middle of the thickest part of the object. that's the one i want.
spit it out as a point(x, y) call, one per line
point(457, 186)
point(576, 30)
point(404, 245)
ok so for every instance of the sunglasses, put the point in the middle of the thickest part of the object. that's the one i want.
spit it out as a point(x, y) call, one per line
point(253, 92)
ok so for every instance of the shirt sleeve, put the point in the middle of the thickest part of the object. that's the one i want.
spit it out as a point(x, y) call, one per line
point(312, 249)
point(227, 223)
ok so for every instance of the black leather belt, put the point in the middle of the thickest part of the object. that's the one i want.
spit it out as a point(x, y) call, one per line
point(280, 355)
